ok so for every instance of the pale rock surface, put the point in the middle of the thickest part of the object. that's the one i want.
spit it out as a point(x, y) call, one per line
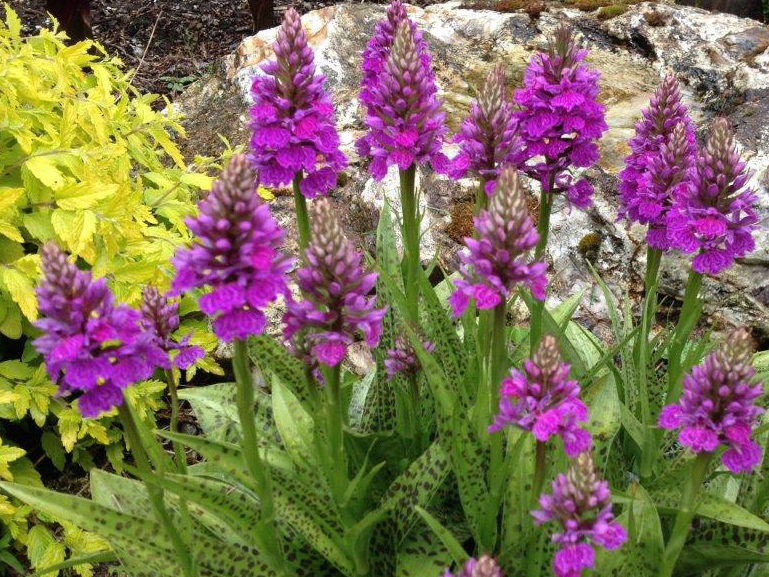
point(722, 62)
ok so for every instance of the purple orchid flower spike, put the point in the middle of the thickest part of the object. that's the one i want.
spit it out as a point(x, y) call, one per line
point(336, 305)
point(581, 503)
point(544, 400)
point(90, 344)
point(488, 137)
point(496, 262)
point(560, 119)
point(716, 218)
point(403, 113)
point(718, 405)
point(161, 316)
point(293, 117)
point(484, 566)
point(236, 254)
point(658, 170)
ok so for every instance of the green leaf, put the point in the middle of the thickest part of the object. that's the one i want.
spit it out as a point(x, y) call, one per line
point(54, 449)
point(422, 555)
point(450, 542)
point(91, 559)
point(294, 425)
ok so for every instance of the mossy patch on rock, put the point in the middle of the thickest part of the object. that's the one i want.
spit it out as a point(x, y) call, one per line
point(612, 5)
point(461, 224)
point(531, 7)
point(608, 12)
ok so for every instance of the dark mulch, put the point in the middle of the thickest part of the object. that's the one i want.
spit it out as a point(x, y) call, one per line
point(189, 35)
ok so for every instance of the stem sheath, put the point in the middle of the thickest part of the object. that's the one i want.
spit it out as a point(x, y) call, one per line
point(543, 230)
point(250, 449)
point(648, 452)
point(410, 233)
point(302, 216)
point(690, 312)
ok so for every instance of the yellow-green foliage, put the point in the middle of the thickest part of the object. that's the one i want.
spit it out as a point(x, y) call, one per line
point(86, 161)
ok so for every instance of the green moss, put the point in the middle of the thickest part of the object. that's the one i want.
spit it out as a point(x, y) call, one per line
point(610, 8)
point(608, 12)
point(589, 244)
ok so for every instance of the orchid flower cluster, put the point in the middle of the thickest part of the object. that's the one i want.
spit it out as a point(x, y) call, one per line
point(348, 456)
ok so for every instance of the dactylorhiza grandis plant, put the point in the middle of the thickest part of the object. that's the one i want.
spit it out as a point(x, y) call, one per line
point(543, 399)
point(484, 566)
point(657, 171)
point(335, 308)
point(718, 405)
point(295, 138)
point(663, 151)
point(498, 261)
point(488, 137)
point(559, 123)
point(94, 346)
point(237, 255)
point(403, 113)
point(581, 503)
point(718, 408)
point(560, 119)
point(716, 219)
point(90, 344)
point(161, 316)
point(335, 304)
point(405, 124)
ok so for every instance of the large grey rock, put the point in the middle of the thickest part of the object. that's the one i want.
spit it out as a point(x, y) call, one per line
point(721, 60)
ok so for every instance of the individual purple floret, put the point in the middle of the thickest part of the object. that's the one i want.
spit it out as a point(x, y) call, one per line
point(161, 316)
point(716, 218)
point(488, 139)
point(718, 407)
point(581, 503)
point(237, 254)
point(402, 359)
point(495, 262)
point(560, 119)
point(90, 345)
point(293, 117)
point(544, 400)
point(403, 115)
point(664, 150)
point(486, 566)
point(335, 289)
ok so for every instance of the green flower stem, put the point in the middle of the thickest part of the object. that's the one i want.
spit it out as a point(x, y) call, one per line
point(481, 198)
point(302, 216)
point(685, 514)
point(540, 468)
point(250, 448)
point(543, 230)
point(497, 368)
point(173, 386)
point(155, 494)
point(335, 433)
point(410, 233)
point(690, 311)
point(648, 451)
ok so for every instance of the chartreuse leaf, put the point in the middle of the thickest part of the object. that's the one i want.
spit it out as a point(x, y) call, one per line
point(142, 541)
point(91, 559)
